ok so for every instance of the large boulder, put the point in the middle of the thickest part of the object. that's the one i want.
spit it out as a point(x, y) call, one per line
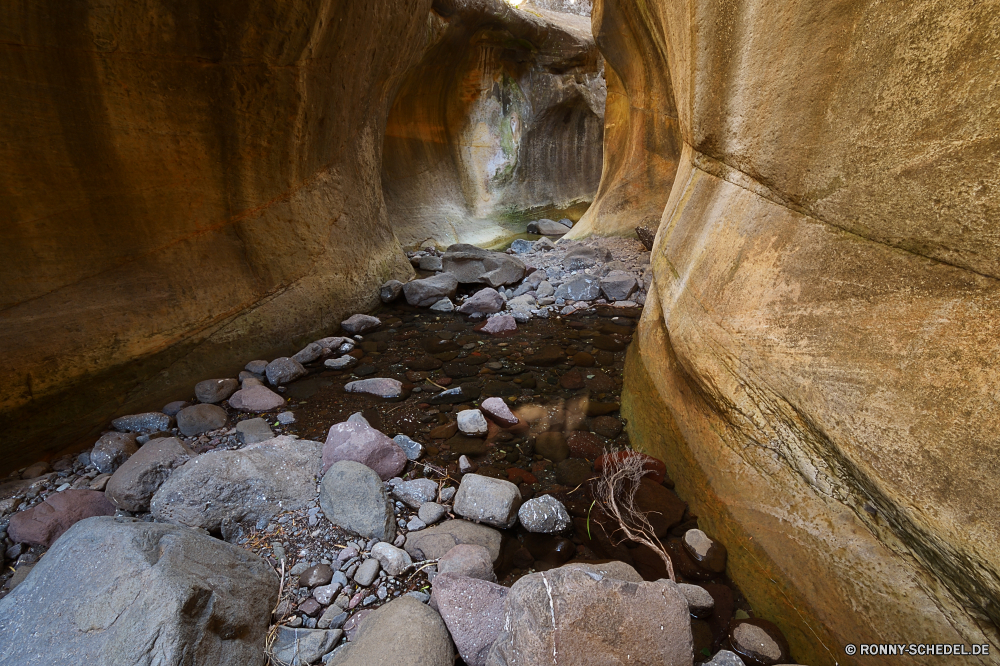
point(362, 443)
point(425, 293)
point(132, 486)
point(575, 616)
point(129, 592)
point(45, 522)
point(403, 631)
point(224, 487)
point(484, 301)
point(197, 419)
point(470, 264)
point(473, 611)
point(284, 370)
point(353, 496)
point(435, 542)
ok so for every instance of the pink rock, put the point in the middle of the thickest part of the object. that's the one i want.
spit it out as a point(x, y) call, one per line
point(472, 610)
point(46, 522)
point(255, 399)
point(362, 443)
point(499, 324)
point(498, 412)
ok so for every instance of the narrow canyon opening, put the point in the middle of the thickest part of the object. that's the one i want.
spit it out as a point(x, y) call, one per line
point(485, 332)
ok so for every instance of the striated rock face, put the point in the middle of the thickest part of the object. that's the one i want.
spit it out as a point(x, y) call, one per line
point(183, 188)
point(502, 121)
point(816, 360)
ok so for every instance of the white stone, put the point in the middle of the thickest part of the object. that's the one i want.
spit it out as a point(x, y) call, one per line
point(472, 422)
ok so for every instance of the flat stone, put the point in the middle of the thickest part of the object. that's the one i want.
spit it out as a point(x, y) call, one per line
point(469, 560)
point(700, 602)
point(317, 575)
point(426, 292)
point(132, 486)
point(579, 288)
point(758, 641)
point(197, 419)
point(362, 443)
point(402, 632)
point(214, 391)
point(545, 515)
point(416, 492)
point(336, 344)
point(148, 422)
point(443, 305)
point(354, 497)
point(360, 324)
point(434, 542)
point(390, 291)
point(255, 399)
point(394, 561)
point(455, 395)
point(112, 449)
point(286, 418)
point(220, 488)
point(252, 431)
point(412, 448)
point(488, 500)
point(133, 592)
point(342, 363)
point(499, 324)
point(300, 647)
point(546, 227)
point(45, 522)
point(473, 610)
point(484, 301)
point(574, 471)
point(707, 552)
point(379, 386)
point(472, 422)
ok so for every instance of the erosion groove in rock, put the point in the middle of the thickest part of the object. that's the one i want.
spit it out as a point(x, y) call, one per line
point(151, 264)
point(501, 121)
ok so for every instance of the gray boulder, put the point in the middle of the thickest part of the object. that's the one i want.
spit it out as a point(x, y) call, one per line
point(113, 449)
point(484, 301)
point(390, 291)
point(353, 497)
point(472, 609)
point(547, 227)
point(255, 398)
point(470, 264)
point(545, 515)
point(221, 488)
point(394, 560)
point(594, 619)
point(283, 370)
point(566, 222)
point(132, 486)
point(300, 647)
point(435, 542)
point(403, 631)
point(618, 285)
point(425, 293)
point(429, 263)
point(360, 324)
point(416, 492)
point(196, 419)
point(212, 391)
point(579, 288)
point(382, 387)
point(147, 422)
point(127, 592)
point(253, 431)
point(362, 443)
point(488, 500)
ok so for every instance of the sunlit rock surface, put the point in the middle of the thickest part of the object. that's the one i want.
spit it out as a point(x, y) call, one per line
point(816, 359)
point(500, 123)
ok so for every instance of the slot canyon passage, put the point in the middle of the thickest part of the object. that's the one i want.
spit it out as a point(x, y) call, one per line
point(459, 331)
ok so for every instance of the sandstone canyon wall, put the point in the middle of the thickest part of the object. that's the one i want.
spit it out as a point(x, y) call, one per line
point(501, 122)
point(817, 362)
point(184, 186)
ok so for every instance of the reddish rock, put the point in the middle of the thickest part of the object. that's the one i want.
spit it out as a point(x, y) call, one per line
point(552, 445)
point(583, 360)
point(655, 469)
point(362, 443)
point(497, 411)
point(445, 431)
point(256, 399)
point(518, 475)
point(473, 611)
point(540, 466)
point(585, 445)
point(572, 380)
point(663, 508)
point(606, 426)
point(44, 523)
point(310, 607)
